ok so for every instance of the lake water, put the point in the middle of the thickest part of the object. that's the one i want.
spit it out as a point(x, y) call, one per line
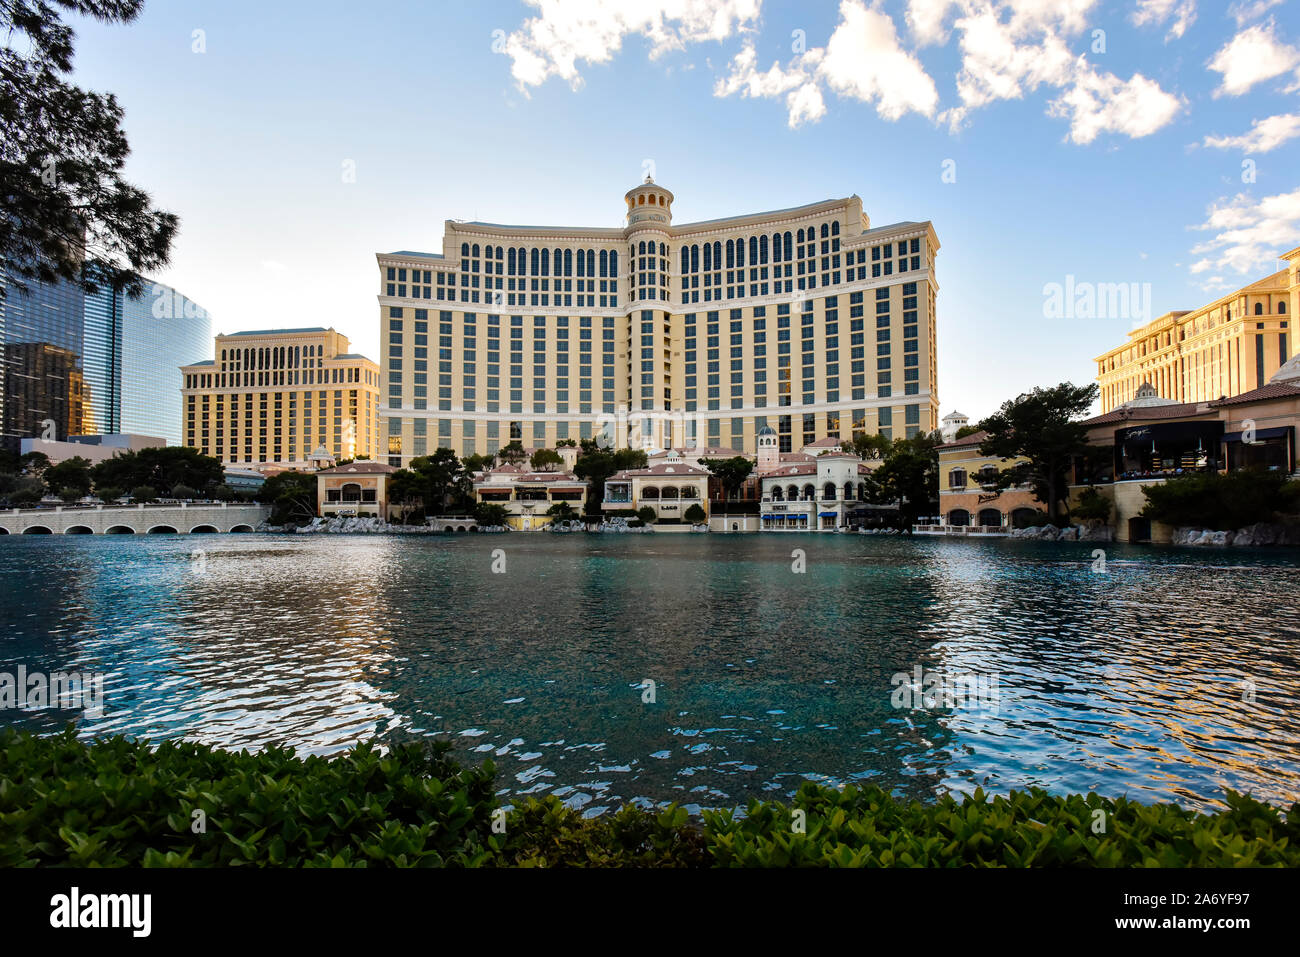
point(1171, 675)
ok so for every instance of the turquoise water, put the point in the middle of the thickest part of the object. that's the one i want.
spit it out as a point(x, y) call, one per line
point(1127, 681)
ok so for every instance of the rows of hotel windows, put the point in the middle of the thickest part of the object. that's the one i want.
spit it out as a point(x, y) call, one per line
point(269, 428)
point(756, 349)
point(518, 276)
point(277, 365)
point(569, 395)
point(757, 266)
point(1166, 339)
point(433, 433)
point(585, 278)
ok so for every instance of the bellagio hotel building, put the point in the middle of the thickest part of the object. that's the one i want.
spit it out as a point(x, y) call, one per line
point(659, 335)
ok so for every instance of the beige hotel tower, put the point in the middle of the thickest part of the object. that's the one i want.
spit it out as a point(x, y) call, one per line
point(805, 320)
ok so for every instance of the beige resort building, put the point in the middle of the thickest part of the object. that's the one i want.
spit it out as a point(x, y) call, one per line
point(807, 320)
point(271, 398)
point(1233, 345)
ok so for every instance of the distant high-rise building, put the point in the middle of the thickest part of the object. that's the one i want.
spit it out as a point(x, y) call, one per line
point(73, 362)
point(135, 347)
point(277, 397)
point(1230, 346)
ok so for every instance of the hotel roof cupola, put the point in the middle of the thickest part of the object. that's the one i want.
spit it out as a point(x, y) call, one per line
point(649, 205)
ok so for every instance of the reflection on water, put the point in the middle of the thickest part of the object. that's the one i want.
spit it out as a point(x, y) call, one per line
point(1171, 676)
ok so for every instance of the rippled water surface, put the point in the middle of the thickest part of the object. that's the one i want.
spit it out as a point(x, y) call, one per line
point(1171, 676)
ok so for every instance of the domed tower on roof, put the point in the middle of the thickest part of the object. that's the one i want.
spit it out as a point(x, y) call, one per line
point(649, 204)
point(769, 451)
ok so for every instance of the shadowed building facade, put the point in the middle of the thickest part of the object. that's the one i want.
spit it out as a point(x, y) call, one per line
point(806, 320)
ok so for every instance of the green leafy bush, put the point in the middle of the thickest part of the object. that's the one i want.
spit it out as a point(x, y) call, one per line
point(865, 827)
point(1221, 502)
point(123, 803)
point(1092, 506)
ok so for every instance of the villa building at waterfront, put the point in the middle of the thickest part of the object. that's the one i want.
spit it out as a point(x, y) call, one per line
point(969, 500)
point(527, 495)
point(1152, 438)
point(1225, 348)
point(354, 489)
point(270, 398)
point(806, 320)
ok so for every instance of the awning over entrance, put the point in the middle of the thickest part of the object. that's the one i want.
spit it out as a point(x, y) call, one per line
point(1260, 434)
point(828, 514)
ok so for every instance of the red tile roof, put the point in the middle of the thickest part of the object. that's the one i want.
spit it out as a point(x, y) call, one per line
point(1273, 390)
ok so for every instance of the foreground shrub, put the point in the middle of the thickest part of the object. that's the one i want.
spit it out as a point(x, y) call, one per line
point(1222, 502)
point(865, 827)
point(117, 803)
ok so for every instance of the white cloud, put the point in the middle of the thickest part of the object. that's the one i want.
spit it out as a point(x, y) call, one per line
point(1252, 56)
point(1248, 235)
point(1099, 103)
point(797, 84)
point(1246, 10)
point(1157, 12)
point(1267, 134)
point(863, 60)
point(569, 32)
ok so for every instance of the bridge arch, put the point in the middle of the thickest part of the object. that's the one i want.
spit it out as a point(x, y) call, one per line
point(37, 530)
point(163, 530)
point(204, 529)
point(119, 530)
point(4, 531)
point(241, 529)
point(78, 530)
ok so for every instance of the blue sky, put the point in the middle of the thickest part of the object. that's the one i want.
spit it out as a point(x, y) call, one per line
point(1110, 157)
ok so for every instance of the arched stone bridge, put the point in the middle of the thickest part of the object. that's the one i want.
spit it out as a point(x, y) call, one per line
point(132, 519)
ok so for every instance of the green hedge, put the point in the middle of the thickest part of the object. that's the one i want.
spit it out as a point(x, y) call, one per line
point(118, 802)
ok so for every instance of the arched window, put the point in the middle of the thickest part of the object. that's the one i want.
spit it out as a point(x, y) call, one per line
point(559, 263)
point(1281, 309)
point(809, 492)
point(474, 251)
point(753, 250)
point(793, 493)
point(535, 257)
point(828, 491)
point(695, 258)
point(670, 491)
point(641, 248)
point(835, 228)
point(957, 478)
point(789, 249)
point(640, 200)
point(731, 253)
point(510, 262)
point(568, 262)
point(990, 517)
point(740, 253)
point(464, 249)
point(825, 230)
point(546, 262)
point(604, 262)
point(959, 517)
point(613, 263)
point(848, 490)
point(708, 257)
point(650, 491)
point(686, 260)
point(801, 237)
point(717, 255)
point(1259, 309)
point(351, 492)
point(777, 494)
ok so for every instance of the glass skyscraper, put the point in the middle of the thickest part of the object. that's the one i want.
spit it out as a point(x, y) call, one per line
point(74, 363)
